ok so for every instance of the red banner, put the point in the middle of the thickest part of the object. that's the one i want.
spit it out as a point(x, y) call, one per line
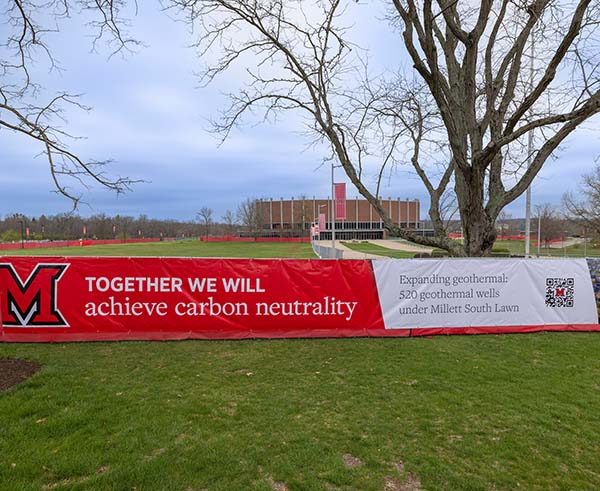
point(340, 200)
point(87, 299)
point(81, 299)
point(322, 224)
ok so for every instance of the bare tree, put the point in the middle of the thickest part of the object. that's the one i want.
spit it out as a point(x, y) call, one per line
point(465, 120)
point(551, 224)
point(205, 216)
point(248, 214)
point(229, 221)
point(124, 226)
point(27, 25)
point(504, 224)
point(585, 209)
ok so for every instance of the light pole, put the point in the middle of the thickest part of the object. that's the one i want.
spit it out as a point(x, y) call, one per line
point(332, 211)
point(22, 235)
point(529, 153)
point(333, 208)
point(539, 237)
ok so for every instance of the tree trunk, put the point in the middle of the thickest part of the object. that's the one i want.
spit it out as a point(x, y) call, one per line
point(479, 236)
point(479, 232)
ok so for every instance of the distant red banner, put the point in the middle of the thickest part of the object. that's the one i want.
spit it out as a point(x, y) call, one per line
point(322, 224)
point(340, 200)
point(81, 299)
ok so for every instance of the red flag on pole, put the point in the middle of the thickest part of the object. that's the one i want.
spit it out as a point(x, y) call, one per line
point(340, 200)
point(321, 221)
point(84, 230)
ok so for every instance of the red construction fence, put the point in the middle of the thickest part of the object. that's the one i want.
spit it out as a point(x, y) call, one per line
point(234, 238)
point(91, 242)
point(71, 243)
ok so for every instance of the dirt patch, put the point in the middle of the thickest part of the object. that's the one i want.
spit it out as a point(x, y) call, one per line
point(155, 454)
point(242, 371)
point(350, 461)
point(230, 409)
point(13, 372)
point(412, 483)
point(277, 486)
point(71, 481)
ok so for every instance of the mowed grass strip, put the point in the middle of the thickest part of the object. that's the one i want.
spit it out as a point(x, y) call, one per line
point(184, 248)
point(370, 248)
point(448, 413)
point(576, 250)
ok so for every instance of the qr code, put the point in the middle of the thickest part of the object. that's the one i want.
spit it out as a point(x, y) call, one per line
point(559, 292)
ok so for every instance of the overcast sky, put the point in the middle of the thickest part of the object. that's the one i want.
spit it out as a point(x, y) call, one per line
point(150, 117)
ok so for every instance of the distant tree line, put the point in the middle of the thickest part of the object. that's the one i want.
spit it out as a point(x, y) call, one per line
point(72, 227)
point(68, 226)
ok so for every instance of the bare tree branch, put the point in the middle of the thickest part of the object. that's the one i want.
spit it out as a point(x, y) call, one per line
point(29, 25)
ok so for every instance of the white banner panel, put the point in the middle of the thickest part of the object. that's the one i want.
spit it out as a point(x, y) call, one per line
point(418, 293)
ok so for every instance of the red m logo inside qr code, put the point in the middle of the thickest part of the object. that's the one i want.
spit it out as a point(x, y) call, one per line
point(560, 292)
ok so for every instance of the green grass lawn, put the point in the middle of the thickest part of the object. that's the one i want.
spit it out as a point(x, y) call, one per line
point(514, 246)
point(451, 413)
point(186, 248)
point(369, 248)
point(577, 250)
point(454, 413)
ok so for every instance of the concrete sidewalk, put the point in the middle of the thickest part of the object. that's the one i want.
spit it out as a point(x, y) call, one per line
point(401, 245)
point(349, 253)
point(389, 244)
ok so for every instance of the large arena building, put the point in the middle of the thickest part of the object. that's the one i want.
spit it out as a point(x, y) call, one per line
point(294, 217)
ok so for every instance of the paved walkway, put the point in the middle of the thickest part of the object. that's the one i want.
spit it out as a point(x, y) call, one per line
point(389, 244)
point(351, 254)
point(568, 242)
point(401, 245)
